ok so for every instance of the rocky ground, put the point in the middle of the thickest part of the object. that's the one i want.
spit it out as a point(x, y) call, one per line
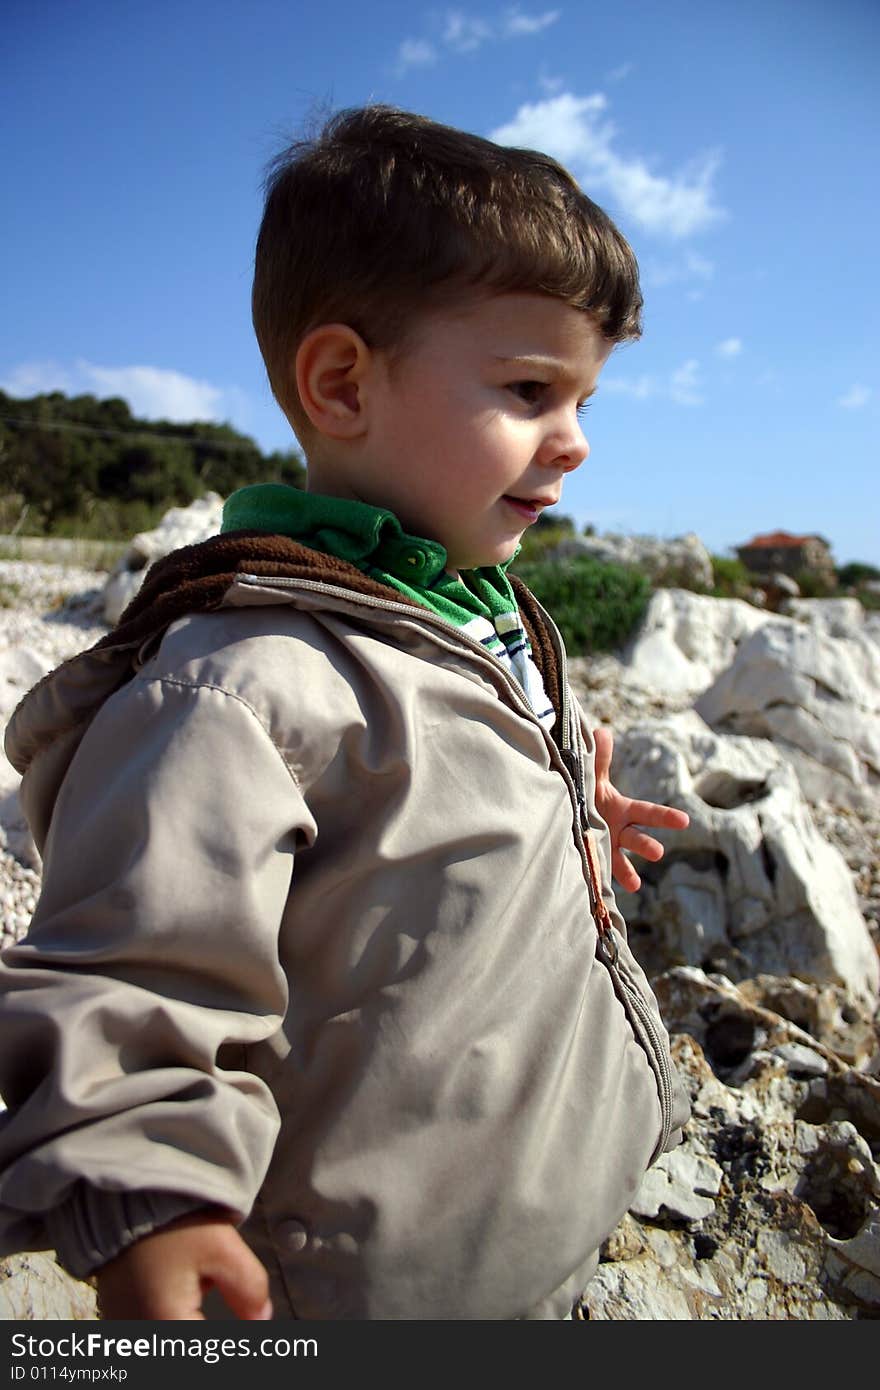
point(770, 1209)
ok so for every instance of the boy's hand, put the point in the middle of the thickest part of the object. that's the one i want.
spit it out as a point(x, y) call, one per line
point(623, 816)
point(165, 1275)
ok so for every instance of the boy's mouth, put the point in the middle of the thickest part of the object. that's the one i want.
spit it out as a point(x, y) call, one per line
point(530, 508)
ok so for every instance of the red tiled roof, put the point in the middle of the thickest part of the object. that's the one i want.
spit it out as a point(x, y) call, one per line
point(775, 540)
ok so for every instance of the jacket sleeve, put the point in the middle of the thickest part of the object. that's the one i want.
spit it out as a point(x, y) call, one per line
point(151, 965)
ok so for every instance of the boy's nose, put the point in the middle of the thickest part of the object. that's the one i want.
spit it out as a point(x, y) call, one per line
point(566, 448)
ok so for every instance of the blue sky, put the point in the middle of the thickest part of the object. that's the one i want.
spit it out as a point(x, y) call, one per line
point(732, 140)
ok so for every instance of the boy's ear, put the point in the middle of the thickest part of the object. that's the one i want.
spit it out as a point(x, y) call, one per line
point(331, 366)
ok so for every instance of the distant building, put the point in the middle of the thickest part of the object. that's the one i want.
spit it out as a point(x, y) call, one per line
point(781, 552)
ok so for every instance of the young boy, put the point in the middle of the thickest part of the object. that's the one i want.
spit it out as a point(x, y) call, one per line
point(327, 1004)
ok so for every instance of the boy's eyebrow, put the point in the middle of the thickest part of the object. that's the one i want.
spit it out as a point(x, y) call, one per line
point(530, 361)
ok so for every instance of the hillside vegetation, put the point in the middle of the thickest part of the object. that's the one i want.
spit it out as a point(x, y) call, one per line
point(79, 466)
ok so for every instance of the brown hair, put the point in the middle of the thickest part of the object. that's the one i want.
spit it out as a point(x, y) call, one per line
point(387, 214)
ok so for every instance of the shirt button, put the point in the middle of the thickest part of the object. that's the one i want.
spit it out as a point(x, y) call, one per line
point(293, 1235)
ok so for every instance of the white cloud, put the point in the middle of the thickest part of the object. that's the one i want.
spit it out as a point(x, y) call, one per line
point(38, 379)
point(618, 74)
point(463, 33)
point(458, 32)
point(573, 130)
point(685, 385)
point(658, 274)
point(516, 23)
point(550, 84)
point(729, 347)
point(415, 53)
point(158, 393)
point(639, 388)
point(855, 397)
point(154, 393)
point(682, 386)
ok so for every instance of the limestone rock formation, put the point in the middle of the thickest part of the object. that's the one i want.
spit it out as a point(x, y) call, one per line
point(813, 688)
point(751, 886)
point(685, 640)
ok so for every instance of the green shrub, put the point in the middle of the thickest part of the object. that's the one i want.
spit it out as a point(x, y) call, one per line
point(855, 573)
point(731, 578)
point(678, 577)
point(545, 535)
point(814, 585)
point(596, 606)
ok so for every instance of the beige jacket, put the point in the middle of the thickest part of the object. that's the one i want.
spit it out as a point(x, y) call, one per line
point(315, 943)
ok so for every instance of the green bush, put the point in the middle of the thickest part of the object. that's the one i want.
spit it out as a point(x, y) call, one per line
point(596, 606)
point(814, 585)
point(545, 535)
point(855, 573)
point(731, 578)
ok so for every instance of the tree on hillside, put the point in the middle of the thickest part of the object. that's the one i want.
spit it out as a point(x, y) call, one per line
point(81, 462)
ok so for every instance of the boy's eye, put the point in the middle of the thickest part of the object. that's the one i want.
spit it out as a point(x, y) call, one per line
point(528, 391)
point(583, 407)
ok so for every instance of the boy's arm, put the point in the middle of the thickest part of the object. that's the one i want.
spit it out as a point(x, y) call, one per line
point(151, 965)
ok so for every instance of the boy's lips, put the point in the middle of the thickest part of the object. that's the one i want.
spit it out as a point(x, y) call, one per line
point(529, 507)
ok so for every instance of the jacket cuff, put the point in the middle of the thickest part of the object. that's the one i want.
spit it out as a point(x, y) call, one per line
point(93, 1225)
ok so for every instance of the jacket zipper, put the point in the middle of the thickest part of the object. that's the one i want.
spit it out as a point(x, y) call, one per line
point(641, 1020)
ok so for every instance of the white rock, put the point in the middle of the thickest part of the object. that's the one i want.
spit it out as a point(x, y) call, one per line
point(682, 1182)
point(750, 877)
point(836, 617)
point(20, 668)
point(816, 695)
point(686, 639)
point(801, 1060)
point(33, 1287)
point(179, 526)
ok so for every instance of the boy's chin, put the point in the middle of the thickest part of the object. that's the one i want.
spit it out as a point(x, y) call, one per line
point(489, 562)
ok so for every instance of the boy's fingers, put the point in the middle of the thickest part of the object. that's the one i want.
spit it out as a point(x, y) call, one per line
point(661, 817)
point(625, 874)
point(604, 741)
point(637, 842)
point(242, 1282)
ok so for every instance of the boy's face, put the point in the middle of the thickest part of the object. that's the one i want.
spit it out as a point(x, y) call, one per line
point(473, 429)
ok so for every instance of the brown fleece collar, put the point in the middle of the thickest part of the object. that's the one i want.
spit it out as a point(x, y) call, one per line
point(195, 578)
